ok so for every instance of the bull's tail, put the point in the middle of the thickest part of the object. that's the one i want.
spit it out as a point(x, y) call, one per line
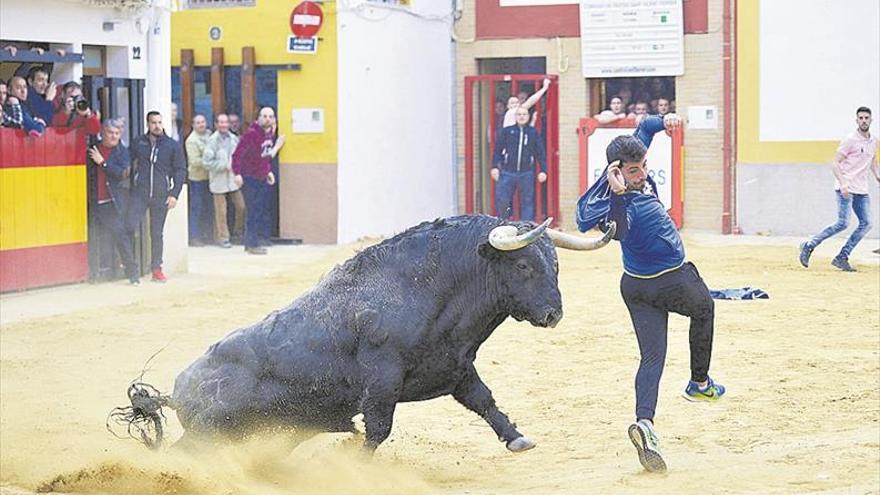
point(143, 419)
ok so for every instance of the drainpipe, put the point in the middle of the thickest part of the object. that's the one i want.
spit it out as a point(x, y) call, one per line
point(727, 215)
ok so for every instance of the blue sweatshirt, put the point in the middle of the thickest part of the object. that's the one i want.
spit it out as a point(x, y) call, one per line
point(648, 237)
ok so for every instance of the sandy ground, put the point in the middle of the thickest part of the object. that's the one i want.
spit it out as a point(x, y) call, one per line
point(802, 369)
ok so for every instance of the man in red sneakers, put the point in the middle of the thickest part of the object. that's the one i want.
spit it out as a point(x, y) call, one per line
point(159, 173)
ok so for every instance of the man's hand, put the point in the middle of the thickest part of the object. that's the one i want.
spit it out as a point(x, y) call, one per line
point(12, 100)
point(495, 174)
point(615, 179)
point(12, 49)
point(51, 91)
point(171, 202)
point(238, 180)
point(844, 191)
point(542, 177)
point(671, 121)
point(546, 83)
point(96, 156)
point(270, 179)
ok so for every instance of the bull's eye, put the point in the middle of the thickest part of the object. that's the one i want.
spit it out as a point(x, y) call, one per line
point(522, 265)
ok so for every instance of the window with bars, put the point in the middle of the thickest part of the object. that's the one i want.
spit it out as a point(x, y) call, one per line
point(207, 4)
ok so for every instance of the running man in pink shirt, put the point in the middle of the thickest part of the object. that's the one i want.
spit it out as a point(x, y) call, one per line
point(856, 156)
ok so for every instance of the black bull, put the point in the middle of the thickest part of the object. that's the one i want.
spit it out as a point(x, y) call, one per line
point(401, 321)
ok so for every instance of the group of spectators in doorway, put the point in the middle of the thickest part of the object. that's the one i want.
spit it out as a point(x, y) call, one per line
point(636, 98)
point(227, 169)
point(218, 166)
point(30, 101)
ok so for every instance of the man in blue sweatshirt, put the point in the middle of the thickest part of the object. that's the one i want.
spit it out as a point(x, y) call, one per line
point(656, 281)
point(518, 151)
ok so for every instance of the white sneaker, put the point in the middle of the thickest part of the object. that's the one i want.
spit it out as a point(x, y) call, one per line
point(643, 437)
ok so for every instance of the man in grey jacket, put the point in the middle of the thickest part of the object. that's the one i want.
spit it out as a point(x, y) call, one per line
point(217, 160)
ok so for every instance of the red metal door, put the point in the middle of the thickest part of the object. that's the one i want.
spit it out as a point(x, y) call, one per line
point(480, 127)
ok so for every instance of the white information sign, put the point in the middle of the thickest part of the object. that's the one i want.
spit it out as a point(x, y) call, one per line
point(632, 38)
point(659, 159)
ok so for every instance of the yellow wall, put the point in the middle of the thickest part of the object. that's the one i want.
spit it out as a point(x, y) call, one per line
point(749, 147)
point(266, 28)
point(42, 206)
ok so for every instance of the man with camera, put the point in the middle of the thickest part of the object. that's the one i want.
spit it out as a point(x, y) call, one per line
point(75, 111)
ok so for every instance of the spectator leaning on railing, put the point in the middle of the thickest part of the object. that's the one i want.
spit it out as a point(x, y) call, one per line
point(75, 112)
point(41, 94)
point(10, 115)
point(18, 93)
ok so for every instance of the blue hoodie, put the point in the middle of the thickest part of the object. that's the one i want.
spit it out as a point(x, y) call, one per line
point(648, 237)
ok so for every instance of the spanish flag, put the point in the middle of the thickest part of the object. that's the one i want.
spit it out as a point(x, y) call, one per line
point(43, 209)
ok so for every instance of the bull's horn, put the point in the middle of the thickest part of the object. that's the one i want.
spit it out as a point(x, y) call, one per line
point(505, 238)
point(578, 243)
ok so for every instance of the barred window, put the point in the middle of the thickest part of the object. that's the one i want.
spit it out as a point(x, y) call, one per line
point(207, 4)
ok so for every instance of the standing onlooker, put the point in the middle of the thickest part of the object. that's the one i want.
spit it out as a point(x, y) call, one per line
point(235, 124)
point(614, 113)
point(75, 111)
point(517, 149)
point(663, 106)
point(112, 170)
point(218, 161)
point(159, 172)
point(514, 102)
point(252, 166)
point(41, 94)
point(174, 129)
point(855, 156)
point(18, 93)
point(199, 196)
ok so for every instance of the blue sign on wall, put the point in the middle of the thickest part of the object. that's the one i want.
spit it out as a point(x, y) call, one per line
point(302, 45)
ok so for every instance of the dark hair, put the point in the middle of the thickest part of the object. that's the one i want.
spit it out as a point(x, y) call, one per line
point(863, 109)
point(625, 149)
point(616, 96)
point(70, 85)
point(151, 113)
point(33, 71)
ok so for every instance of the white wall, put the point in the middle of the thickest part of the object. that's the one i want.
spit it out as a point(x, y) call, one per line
point(395, 117)
point(819, 61)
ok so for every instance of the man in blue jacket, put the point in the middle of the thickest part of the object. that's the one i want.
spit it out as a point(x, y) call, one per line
point(656, 281)
point(112, 170)
point(159, 173)
point(518, 150)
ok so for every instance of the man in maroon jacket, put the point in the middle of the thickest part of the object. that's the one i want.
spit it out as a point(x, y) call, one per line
point(252, 166)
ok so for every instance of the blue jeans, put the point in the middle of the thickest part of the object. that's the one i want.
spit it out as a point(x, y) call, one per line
point(256, 199)
point(199, 198)
point(508, 183)
point(862, 207)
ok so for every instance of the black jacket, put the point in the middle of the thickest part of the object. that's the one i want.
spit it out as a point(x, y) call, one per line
point(160, 170)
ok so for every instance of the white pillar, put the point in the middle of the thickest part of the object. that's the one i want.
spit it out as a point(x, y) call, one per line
point(158, 97)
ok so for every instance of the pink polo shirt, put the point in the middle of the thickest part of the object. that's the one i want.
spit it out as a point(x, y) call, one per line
point(858, 154)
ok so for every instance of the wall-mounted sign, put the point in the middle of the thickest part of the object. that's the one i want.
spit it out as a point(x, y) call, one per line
point(215, 33)
point(302, 45)
point(632, 38)
point(306, 19)
point(530, 3)
point(307, 120)
point(702, 117)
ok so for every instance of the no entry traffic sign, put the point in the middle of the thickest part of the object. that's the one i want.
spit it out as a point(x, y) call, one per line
point(306, 19)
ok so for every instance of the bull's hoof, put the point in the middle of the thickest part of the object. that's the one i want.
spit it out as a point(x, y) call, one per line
point(520, 444)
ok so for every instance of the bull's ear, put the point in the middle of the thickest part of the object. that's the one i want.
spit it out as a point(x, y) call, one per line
point(487, 251)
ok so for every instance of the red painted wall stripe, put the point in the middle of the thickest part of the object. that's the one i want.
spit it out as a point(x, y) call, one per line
point(57, 147)
point(495, 21)
point(41, 266)
point(550, 21)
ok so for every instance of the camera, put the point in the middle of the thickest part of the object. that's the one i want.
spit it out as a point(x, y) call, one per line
point(80, 103)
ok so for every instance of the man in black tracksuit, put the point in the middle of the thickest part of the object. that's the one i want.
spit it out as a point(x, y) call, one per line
point(159, 173)
point(518, 151)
